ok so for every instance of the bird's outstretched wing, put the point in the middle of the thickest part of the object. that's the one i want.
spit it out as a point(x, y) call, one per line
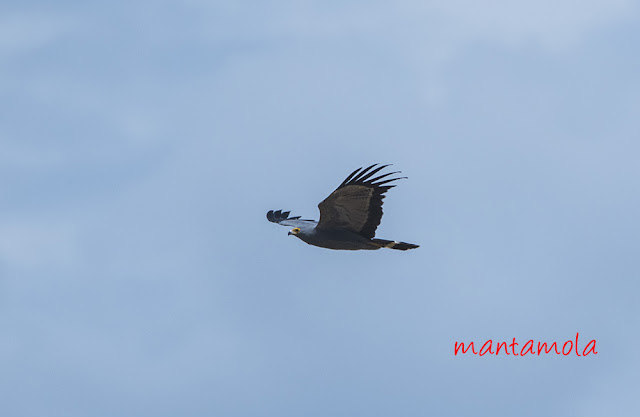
point(356, 204)
point(283, 219)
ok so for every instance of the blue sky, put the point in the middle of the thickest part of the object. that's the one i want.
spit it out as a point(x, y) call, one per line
point(141, 144)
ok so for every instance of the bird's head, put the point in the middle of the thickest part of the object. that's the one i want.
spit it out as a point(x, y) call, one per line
point(295, 231)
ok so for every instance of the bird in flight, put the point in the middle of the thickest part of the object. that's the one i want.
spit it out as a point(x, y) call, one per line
point(349, 216)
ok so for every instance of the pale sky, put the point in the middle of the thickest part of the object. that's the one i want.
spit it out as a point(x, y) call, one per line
point(142, 143)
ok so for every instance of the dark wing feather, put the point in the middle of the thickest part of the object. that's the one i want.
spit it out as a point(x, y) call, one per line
point(282, 218)
point(356, 204)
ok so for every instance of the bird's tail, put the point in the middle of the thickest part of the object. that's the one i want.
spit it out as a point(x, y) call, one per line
point(381, 243)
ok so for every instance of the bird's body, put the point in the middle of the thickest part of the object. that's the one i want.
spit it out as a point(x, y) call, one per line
point(336, 239)
point(348, 217)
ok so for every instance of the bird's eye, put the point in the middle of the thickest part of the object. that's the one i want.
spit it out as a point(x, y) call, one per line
point(296, 230)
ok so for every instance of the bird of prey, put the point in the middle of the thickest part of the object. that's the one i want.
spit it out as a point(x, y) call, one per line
point(349, 216)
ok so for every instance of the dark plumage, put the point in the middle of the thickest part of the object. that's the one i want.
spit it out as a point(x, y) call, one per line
point(349, 216)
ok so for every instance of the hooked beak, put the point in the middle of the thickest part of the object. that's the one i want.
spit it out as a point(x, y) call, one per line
point(289, 233)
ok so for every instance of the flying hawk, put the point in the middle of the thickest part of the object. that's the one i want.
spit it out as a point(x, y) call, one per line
point(349, 216)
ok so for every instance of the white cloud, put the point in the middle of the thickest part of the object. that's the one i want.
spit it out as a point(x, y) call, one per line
point(427, 35)
point(36, 244)
point(20, 32)
point(551, 24)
